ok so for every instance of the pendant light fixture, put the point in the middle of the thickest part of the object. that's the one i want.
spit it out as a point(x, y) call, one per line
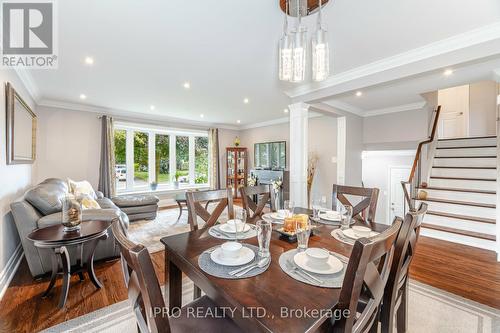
point(320, 51)
point(293, 45)
point(285, 51)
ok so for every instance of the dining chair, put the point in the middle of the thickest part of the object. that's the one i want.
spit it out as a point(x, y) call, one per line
point(195, 209)
point(264, 193)
point(147, 301)
point(365, 209)
point(364, 282)
point(395, 303)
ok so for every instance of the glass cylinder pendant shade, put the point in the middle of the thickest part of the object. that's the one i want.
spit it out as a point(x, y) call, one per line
point(299, 55)
point(320, 55)
point(285, 58)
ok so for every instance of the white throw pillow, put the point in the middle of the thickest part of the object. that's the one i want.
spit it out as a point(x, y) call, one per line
point(81, 188)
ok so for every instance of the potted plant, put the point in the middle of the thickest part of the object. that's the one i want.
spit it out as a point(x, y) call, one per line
point(178, 174)
point(153, 185)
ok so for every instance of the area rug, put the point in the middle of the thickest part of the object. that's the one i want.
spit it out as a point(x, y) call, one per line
point(431, 310)
point(149, 232)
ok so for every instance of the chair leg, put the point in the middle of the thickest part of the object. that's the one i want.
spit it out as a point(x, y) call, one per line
point(197, 292)
point(402, 312)
point(387, 315)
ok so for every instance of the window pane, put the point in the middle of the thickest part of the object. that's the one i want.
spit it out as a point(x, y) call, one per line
point(120, 159)
point(201, 160)
point(140, 159)
point(162, 171)
point(182, 159)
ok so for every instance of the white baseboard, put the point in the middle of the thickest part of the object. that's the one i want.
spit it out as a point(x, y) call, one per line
point(10, 269)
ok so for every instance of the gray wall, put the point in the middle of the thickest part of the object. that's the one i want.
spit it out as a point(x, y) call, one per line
point(14, 179)
point(482, 108)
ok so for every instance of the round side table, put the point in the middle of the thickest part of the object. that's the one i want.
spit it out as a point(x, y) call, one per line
point(54, 238)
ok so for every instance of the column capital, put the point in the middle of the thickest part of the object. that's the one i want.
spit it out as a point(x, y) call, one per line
point(299, 106)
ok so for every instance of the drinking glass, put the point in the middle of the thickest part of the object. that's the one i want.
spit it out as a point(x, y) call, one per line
point(240, 227)
point(289, 205)
point(346, 216)
point(264, 230)
point(302, 231)
point(316, 207)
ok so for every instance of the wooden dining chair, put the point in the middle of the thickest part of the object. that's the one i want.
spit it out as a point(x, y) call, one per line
point(364, 282)
point(147, 301)
point(264, 193)
point(365, 209)
point(395, 303)
point(195, 209)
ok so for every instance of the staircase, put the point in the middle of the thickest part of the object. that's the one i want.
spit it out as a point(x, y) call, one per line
point(461, 192)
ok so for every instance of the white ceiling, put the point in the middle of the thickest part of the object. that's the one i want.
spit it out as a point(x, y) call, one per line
point(145, 50)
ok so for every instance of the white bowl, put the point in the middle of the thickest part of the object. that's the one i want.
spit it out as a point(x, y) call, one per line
point(331, 214)
point(361, 231)
point(230, 250)
point(234, 223)
point(317, 257)
point(283, 213)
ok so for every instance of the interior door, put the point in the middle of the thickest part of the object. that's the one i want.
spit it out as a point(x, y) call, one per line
point(396, 195)
point(454, 119)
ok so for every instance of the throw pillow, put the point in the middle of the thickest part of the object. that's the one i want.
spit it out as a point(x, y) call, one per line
point(81, 188)
point(89, 203)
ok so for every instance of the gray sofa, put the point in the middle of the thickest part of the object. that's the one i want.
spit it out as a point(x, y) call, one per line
point(41, 207)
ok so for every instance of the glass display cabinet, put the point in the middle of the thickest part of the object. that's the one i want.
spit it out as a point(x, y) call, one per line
point(236, 169)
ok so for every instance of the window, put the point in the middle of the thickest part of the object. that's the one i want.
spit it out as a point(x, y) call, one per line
point(172, 158)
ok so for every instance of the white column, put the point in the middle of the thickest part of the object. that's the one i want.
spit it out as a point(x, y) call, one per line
point(172, 158)
point(129, 152)
point(298, 153)
point(341, 149)
point(191, 160)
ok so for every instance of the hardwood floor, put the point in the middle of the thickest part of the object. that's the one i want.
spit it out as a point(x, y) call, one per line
point(462, 270)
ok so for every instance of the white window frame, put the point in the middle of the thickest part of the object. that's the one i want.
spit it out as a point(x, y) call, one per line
point(152, 131)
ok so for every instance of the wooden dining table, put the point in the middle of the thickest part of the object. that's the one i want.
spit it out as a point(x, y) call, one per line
point(270, 302)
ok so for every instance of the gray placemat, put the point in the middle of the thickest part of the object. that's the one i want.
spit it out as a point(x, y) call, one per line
point(330, 280)
point(215, 232)
point(220, 271)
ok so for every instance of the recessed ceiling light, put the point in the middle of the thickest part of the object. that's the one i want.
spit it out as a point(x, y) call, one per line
point(186, 85)
point(89, 60)
point(246, 101)
point(285, 110)
point(238, 121)
point(448, 72)
point(83, 96)
point(359, 93)
point(152, 107)
point(202, 115)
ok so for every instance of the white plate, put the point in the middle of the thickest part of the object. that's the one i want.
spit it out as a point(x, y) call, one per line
point(230, 229)
point(333, 265)
point(325, 217)
point(350, 233)
point(269, 217)
point(246, 255)
point(276, 216)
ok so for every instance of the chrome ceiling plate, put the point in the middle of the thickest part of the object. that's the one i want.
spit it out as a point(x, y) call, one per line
point(305, 7)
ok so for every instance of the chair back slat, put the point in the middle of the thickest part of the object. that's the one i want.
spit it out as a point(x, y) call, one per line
point(404, 251)
point(195, 209)
point(364, 210)
point(365, 279)
point(265, 194)
point(144, 290)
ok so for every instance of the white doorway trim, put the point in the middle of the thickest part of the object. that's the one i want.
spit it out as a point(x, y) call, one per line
point(389, 190)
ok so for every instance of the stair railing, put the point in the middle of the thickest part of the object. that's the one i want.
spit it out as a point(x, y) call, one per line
point(415, 178)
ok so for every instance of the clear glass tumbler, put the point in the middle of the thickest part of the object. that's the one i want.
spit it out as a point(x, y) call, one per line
point(289, 205)
point(240, 223)
point(264, 231)
point(303, 231)
point(316, 208)
point(345, 222)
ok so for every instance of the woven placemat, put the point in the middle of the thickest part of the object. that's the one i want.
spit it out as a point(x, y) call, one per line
point(220, 271)
point(329, 280)
point(217, 233)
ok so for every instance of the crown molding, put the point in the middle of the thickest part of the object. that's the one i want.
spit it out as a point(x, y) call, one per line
point(278, 121)
point(28, 83)
point(468, 46)
point(345, 107)
point(395, 109)
point(130, 115)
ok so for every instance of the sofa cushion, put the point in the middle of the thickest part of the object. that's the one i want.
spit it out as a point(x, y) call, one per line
point(135, 200)
point(81, 188)
point(140, 209)
point(46, 196)
point(106, 203)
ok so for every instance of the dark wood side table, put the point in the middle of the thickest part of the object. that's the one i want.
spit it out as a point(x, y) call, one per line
point(54, 238)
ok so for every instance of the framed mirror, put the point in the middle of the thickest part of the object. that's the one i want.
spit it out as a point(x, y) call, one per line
point(270, 155)
point(21, 129)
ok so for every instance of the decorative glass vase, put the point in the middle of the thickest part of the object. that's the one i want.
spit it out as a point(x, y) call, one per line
point(71, 213)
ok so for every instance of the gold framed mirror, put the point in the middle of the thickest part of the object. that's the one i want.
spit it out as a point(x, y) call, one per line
point(21, 128)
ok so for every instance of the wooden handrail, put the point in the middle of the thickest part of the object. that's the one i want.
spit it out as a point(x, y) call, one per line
point(417, 157)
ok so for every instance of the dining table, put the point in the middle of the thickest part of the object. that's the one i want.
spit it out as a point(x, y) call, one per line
point(269, 302)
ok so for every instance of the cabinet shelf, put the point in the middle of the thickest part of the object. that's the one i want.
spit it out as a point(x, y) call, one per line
point(236, 169)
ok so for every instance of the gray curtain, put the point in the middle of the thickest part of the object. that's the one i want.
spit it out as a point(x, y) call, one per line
point(107, 166)
point(213, 144)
